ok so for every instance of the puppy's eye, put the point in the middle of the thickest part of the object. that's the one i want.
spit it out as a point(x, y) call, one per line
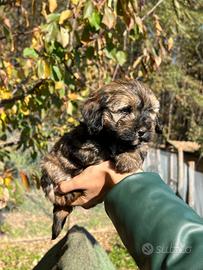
point(127, 109)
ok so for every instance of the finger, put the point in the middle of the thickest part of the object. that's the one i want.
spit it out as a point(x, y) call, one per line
point(74, 184)
point(79, 201)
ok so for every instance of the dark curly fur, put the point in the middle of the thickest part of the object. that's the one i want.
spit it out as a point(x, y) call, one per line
point(119, 121)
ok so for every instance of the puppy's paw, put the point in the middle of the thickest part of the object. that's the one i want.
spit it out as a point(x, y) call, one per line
point(124, 163)
point(125, 167)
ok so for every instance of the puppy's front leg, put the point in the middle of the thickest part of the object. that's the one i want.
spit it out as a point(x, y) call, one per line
point(130, 161)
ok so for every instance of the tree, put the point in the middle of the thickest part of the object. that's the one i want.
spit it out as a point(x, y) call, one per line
point(54, 53)
point(179, 81)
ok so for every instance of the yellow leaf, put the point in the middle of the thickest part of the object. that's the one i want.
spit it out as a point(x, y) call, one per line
point(43, 69)
point(9, 68)
point(44, 12)
point(52, 5)
point(75, 2)
point(139, 23)
point(14, 109)
point(85, 92)
point(73, 96)
point(66, 14)
point(137, 61)
point(27, 99)
point(7, 181)
point(140, 73)
point(3, 116)
point(77, 75)
point(157, 25)
point(71, 120)
point(170, 43)
point(5, 93)
point(24, 110)
point(63, 37)
point(59, 85)
point(37, 40)
point(109, 18)
point(157, 60)
point(18, 3)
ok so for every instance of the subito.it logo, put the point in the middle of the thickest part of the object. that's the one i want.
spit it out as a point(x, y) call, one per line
point(147, 249)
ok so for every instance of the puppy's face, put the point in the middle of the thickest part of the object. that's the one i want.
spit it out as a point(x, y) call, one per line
point(126, 110)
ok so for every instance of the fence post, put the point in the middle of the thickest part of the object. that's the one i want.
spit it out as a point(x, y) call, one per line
point(180, 171)
point(191, 183)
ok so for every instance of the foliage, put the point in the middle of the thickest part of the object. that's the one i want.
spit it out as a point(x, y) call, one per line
point(120, 257)
point(20, 256)
point(179, 81)
point(53, 53)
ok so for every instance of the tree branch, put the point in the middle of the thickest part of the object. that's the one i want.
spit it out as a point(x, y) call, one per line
point(7, 144)
point(21, 33)
point(4, 102)
point(152, 10)
point(115, 72)
point(6, 2)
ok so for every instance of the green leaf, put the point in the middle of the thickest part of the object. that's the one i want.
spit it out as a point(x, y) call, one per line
point(30, 53)
point(9, 36)
point(88, 9)
point(95, 20)
point(54, 17)
point(56, 73)
point(121, 57)
point(110, 53)
point(52, 32)
point(62, 92)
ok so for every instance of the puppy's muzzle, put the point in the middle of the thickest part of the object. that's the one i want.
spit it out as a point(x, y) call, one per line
point(144, 135)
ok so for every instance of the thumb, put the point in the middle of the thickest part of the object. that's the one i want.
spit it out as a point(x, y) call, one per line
point(70, 185)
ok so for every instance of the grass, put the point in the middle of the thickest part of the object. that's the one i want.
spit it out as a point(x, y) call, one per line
point(120, 257)
point(21, 256)
point(32, 220)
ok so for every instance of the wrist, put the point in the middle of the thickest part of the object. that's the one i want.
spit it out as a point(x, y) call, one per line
point(113, 176)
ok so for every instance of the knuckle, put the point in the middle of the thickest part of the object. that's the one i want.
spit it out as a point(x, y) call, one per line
point(60, 188)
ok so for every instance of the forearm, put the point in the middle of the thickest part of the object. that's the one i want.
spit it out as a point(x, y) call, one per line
point(150, 218)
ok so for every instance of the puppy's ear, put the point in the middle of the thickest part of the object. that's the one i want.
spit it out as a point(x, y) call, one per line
point(158, 126)
point(92, 115)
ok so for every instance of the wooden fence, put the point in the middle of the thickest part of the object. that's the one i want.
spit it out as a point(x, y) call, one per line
point(181, 177)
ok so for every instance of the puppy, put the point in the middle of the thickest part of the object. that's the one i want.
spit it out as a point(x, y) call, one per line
point(119, 121)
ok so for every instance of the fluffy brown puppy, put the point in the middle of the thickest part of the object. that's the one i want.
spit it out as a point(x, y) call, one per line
point(119, 121)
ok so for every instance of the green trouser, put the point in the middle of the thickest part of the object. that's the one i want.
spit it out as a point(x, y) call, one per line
point(159, 230)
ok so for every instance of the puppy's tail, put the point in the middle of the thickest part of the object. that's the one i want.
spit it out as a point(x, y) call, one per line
point(59, 218)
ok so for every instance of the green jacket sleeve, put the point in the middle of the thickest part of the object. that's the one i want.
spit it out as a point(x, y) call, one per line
point(159, 230)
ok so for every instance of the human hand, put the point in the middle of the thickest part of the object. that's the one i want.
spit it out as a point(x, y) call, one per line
point(95, 181)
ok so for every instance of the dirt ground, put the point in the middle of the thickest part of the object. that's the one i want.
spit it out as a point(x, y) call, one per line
point(27, 233)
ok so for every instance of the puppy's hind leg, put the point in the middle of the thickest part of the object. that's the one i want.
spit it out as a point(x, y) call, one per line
point(60, 215)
